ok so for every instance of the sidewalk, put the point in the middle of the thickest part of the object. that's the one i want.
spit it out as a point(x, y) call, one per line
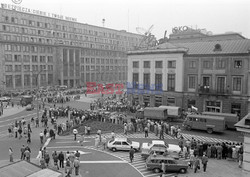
point(35, 161)
point(216, 168)
point(12, 111)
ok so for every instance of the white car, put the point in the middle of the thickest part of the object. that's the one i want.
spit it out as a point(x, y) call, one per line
point(171, 148)
point(122, 144)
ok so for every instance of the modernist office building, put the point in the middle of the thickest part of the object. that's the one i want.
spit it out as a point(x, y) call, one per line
point(46, 51)
point(210, 72)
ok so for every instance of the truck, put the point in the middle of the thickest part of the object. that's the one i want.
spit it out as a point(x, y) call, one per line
point(174, 112)
point(155, 113)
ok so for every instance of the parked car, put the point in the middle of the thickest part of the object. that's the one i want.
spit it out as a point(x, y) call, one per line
point(159, 144)
point(172, 165)
point(122, 144)
point(30, 107)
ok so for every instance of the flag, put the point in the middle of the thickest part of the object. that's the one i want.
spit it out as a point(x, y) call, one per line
point(194, 108)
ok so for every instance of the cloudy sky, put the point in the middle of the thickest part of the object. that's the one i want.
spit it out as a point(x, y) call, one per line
point(217, 16)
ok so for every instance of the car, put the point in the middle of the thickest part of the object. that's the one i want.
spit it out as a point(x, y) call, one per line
point(172, 165)
point(30, 107)
point(161, 151)
point(172, 149)
point(122, 144)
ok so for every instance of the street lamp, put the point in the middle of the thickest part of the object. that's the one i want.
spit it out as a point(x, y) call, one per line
point(37, 83)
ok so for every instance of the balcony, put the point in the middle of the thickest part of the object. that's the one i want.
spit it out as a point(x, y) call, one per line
point(206, 90)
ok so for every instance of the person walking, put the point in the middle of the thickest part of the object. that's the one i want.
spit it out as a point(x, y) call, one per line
point(77, 165)
point(131, 154)
point(196, 164)
point(41, 137)
point(27, 155)
point(11, 154)
point(204, 161)
point(55, 159)
point(61, 159)
point(146, 131)
point(163, 167)
point(46, 158)
point(81, 141)
point(22, 152)
point(75, 132)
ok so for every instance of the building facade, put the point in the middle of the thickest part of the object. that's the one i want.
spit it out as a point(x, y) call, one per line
point(37, 50)
point(156, 75)
point(213, 74)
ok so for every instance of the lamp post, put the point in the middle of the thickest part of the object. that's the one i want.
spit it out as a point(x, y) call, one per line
point(37, 83)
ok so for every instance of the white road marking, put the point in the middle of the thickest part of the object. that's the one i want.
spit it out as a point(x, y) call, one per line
point(103, 162)
point(71, 142)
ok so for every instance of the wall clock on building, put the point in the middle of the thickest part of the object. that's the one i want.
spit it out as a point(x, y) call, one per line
point(17, 1)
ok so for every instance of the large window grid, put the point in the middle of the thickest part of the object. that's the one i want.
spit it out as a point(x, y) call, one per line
point(171, 82)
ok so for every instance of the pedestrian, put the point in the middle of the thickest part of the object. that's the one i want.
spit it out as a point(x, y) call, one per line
point(41, 137)
point(15, 131)
point(81, 141)
point(75, 132)
point(61, 159)
point(113, 135)
point(29, 128)
point(11, 154)
point(37, 122)
point(39, 155)
point(146, 131)
point(104, 141)
point(27, 155)
point(204, 161)
point(46, 158)
point(131, 154)
point(22, 152)
point(196, 164)
point(55, 159)
point(77, 154)
point(163, 167)
point(20, 132)
point(68, 169)
point(29, 138)
point(77, 165)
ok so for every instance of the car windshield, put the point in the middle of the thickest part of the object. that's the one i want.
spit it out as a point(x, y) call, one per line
point(129, 141)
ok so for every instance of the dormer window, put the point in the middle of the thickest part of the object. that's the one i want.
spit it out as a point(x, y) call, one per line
point(217, 47)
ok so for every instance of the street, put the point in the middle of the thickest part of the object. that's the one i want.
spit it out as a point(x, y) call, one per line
point(97, 162)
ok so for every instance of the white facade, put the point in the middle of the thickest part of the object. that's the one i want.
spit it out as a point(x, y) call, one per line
point(165, 70)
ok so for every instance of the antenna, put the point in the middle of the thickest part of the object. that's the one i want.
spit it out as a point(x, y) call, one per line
point(128, 20)
point(103, 22)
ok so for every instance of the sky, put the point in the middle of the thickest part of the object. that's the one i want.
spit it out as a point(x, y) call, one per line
point(217, 16)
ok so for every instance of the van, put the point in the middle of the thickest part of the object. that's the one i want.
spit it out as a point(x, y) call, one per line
point(230, 119)
point(205, 122)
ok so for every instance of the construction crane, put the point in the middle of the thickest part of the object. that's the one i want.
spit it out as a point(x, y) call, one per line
point(148, 39)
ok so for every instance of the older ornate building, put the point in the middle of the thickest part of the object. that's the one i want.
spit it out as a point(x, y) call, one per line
point(210, 72)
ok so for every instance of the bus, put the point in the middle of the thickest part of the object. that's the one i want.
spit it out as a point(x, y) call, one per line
point(230, 119)
point(205, 122)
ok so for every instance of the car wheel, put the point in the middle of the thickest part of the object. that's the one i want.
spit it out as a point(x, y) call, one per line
point(157, 170)
point(113, 149)
point(210, 130)
point(183, 170)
